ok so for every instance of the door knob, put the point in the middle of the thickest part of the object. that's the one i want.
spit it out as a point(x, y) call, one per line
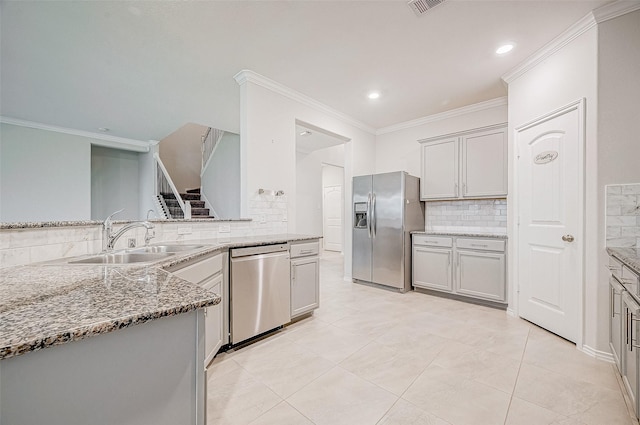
point(568, 238)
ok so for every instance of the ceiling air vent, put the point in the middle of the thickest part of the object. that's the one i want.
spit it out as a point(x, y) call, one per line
point(420, 7)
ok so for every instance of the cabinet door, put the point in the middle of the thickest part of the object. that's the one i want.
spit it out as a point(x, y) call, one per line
point(481, 275)
point(615, 320)
point(484, 164)
point(439, 169)
point(213, 320)
point(630, 345)
point(305, 285)
point(432, 268)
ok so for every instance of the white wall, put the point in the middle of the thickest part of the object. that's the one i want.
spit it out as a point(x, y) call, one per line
point(114, 183)
point(400, 151)
point(46, 176)
point(181, 154)
point(566, 76)
point(267, 133)
point(221, 178)
point(618, 147)
point(309, 186)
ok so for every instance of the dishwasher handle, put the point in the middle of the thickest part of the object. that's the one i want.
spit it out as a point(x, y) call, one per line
point(260, 256)
point(257, 250)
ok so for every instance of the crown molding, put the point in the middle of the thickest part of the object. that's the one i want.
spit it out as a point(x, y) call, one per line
point(615, 9)
point(97, 138)
point(590, 20)
point(247, 75)
point(500, 101)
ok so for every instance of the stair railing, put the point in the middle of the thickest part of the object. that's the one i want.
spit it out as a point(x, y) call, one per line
point(209, 141)
point(165, 186)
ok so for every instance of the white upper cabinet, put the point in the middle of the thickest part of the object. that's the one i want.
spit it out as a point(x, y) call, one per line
point(440, 169)
point(465, 165)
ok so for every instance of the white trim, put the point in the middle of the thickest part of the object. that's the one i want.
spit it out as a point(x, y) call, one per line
point(574, 31)
point(511, 312)
point(481, 106)
point(97, 138)
point(597, 354)
point(593, 18)
point(247, 75)
point(615, 9)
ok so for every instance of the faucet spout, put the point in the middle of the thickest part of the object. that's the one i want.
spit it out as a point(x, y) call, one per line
point(109, 239)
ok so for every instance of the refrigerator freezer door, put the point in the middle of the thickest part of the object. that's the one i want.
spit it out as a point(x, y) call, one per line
point(388, 229)
point(361, 257)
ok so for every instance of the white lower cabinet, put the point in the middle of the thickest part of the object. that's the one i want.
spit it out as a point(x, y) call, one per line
point(305, 277)
point(469, 267)
point(616, 320)
point(432, 268)
point(631, 312)
point(210, 274)
point(481, 275)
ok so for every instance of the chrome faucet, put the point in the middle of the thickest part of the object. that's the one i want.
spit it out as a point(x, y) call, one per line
point(109, 239)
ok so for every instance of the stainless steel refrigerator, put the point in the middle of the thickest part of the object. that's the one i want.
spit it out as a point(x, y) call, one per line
point(386, 208)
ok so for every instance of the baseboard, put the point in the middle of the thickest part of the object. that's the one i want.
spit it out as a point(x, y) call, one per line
point(597, 354)
point(511, 312)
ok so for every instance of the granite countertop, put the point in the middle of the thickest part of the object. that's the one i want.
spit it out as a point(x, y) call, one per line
point(53, 303)
point(79, 223)
point(470, 234)
point(629, 257)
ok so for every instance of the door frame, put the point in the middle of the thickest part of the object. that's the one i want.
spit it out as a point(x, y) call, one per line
point(578, 105)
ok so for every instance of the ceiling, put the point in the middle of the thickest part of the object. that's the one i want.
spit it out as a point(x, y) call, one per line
point(143, 69)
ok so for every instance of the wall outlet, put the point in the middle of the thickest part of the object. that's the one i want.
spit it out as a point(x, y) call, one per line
point(263, 218)
point(184, 230)
point(224, 228)
point(131, 242)
point(284, 218)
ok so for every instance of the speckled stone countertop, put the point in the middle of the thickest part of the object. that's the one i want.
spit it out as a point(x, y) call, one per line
point(53, 303)
point(79, 223)
point(629, 257)
point(478, 235)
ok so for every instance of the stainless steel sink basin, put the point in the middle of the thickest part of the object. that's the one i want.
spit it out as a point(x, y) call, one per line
point(123, 258)
point(166, 248)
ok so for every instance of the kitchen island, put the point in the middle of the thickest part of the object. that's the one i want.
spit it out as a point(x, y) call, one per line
point(105, 344)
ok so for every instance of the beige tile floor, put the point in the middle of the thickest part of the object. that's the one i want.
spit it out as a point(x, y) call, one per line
point(370, 356)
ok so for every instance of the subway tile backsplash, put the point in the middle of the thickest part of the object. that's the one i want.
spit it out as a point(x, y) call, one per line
point(623, 215)
point(481, 215)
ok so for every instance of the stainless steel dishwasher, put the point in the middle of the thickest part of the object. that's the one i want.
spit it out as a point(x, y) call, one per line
point(260, 290)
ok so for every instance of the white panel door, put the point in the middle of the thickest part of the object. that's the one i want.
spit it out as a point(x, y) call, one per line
point(332, 218)
point(432, 268)
point(550, 215)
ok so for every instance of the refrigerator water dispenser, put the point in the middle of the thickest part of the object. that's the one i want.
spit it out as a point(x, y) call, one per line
point(360, 211)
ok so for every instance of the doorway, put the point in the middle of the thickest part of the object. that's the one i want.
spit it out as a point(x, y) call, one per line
point(550, 242)
point(332, 207)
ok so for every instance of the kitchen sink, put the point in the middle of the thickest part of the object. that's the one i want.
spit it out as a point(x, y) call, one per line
point(123, 258)
point(165, 248)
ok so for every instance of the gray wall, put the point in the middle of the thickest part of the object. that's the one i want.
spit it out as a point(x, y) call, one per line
point(114, 183)
point(44, 176)
point(221, 179)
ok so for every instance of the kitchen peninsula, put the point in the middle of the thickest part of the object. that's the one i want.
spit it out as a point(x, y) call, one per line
point(104, 344)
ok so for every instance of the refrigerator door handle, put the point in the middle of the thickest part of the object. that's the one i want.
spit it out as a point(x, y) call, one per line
point(373, 218)
point(369, 215)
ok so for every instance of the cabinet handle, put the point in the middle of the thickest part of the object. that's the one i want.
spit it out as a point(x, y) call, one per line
point(455, 188)
point(610, 267)
point(612, 294)
point(306, 251)
point(464, 188)
point(480, 245)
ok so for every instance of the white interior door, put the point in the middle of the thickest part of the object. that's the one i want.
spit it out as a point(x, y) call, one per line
point(332, 218)
point(550, 211)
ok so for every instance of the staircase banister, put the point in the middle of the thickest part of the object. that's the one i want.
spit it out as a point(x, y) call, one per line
point(166, 175)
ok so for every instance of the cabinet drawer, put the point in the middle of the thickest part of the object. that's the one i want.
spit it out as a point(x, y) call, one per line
point(443, 242)
point(201, 270)
point(615, 267)
point(481, 244)
point(304, 249)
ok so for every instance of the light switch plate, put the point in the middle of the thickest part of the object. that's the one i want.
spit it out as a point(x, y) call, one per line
point(224, 228)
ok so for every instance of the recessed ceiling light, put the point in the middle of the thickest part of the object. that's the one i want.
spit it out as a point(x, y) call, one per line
point(373, 95)
point(305, 133)
point(505, 48)
point(103, 129)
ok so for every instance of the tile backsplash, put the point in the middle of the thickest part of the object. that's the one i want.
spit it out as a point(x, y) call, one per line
point(623, 215)
point(481, 215)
